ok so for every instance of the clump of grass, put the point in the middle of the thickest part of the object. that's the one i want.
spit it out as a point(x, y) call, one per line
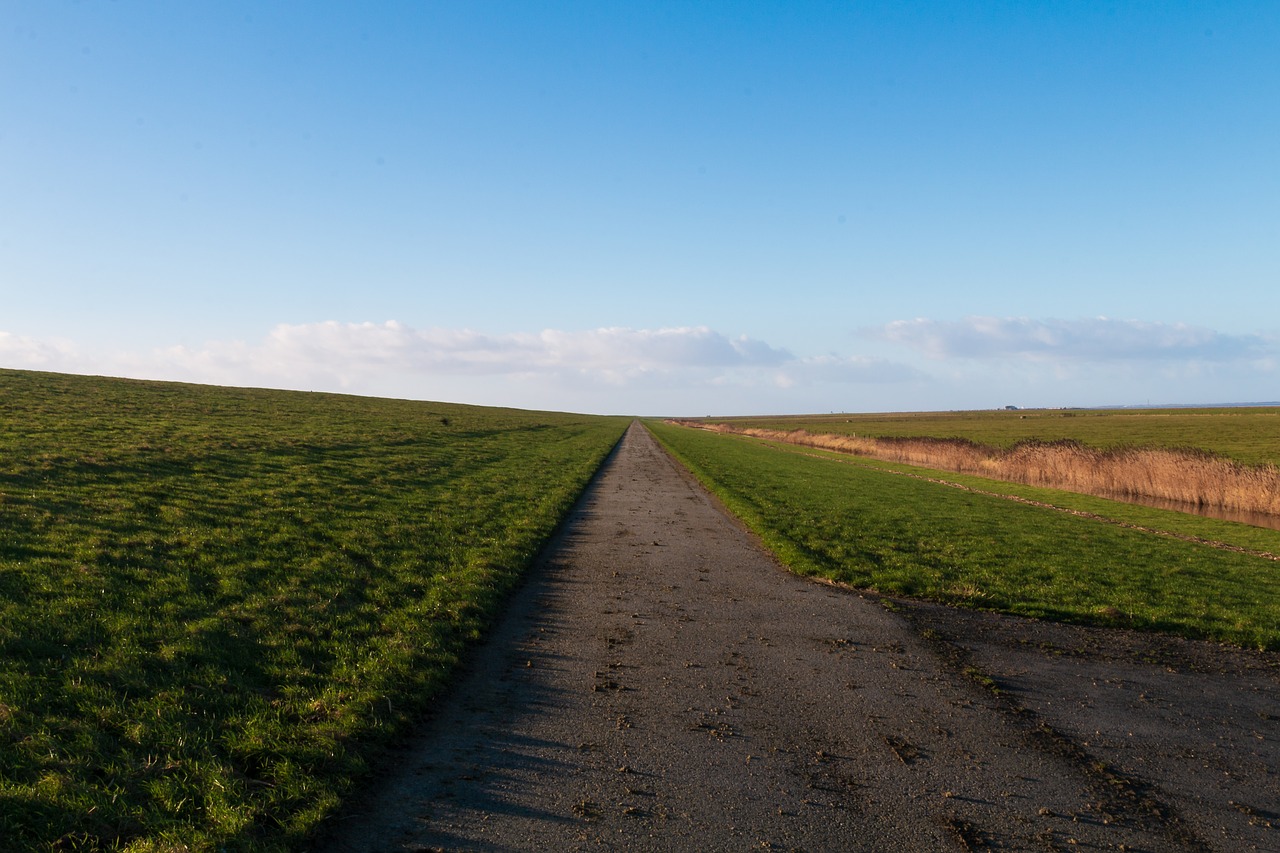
point(873, 528)
point(1186, 476)
point(217, 604)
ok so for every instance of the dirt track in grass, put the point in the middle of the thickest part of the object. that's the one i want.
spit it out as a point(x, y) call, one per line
point(662, 684)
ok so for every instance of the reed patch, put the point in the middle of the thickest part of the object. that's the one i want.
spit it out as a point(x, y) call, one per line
point(1178, 476)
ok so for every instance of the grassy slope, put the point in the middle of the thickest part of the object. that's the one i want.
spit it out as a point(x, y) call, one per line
point(863, 524)
point(215, 603)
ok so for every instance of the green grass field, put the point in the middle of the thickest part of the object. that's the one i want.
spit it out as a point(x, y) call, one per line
point(216, 605)
point(1250, 435)
point(863, 523)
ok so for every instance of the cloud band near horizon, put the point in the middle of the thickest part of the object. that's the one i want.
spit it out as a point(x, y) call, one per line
point(1094, 339)
point(344, 352)
point(695, 365)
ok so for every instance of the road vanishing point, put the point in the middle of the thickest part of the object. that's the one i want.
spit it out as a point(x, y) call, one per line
point(661, 683)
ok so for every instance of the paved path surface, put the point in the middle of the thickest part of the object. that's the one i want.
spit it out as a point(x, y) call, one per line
point(661, 684)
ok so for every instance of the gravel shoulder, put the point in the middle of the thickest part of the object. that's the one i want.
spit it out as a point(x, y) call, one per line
point(660, 683)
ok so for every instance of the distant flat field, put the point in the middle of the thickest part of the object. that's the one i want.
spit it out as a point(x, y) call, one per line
point(1250, 435)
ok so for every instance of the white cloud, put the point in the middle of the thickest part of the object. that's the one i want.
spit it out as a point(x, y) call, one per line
point(614, 368)
point(1099, 339)
point(18, 351)
point(347, 350)
point(978, 362)
point(857, 369)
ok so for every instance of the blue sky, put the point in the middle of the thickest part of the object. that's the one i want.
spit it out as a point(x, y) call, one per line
point(649, 208)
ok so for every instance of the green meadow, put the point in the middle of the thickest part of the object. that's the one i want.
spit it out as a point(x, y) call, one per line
point(865, 523)
point(1246, 434)
point(217, 605)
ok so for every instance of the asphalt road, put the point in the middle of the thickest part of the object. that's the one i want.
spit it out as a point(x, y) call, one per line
point(661, 683)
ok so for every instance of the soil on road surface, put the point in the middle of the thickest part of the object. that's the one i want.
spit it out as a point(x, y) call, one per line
point(661, 683)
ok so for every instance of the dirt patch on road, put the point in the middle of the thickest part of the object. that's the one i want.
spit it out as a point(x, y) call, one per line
point(661, 684)
point(1192, 728)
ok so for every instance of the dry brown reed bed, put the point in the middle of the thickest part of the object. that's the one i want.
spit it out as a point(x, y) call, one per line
point(1188, 477)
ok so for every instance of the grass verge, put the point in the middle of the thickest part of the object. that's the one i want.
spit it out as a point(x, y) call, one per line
point(864, 524)
point(1187, 478)
point(217, 604)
